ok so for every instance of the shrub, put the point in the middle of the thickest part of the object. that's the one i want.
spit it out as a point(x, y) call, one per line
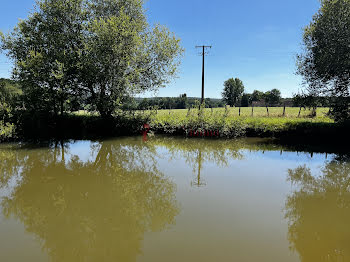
point(7, 131)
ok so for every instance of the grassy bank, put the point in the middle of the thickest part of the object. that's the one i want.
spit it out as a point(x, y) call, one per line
point(225, 123)
point(230, 124)
point(290, 112)
point(72, 126)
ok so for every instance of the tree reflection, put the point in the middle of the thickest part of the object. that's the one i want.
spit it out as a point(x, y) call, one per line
point(94, 210)
point(319, 212)
point(196, 152)
point(98, 208)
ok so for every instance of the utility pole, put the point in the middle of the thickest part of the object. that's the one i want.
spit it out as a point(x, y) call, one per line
point(199, 181)
point(203, 54)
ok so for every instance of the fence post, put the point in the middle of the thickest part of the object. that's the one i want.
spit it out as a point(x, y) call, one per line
point(252, 110)
point(284, 110)
point(239, 111)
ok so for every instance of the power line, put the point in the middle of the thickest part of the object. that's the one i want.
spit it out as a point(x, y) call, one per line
point(204, 47)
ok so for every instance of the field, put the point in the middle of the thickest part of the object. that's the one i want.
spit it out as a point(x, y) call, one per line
point(224, 123)
point(291, 112)
point(228, 123)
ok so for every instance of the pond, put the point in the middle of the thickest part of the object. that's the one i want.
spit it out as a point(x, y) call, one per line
point(172, 199)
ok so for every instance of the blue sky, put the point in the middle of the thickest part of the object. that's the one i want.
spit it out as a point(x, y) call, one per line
point(253, 40)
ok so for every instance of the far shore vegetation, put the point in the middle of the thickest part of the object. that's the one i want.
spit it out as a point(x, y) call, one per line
point(87, 80)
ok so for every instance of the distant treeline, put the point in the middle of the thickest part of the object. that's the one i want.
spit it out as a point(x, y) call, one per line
point(10, 93)
point(184, 102)
point(181, 102)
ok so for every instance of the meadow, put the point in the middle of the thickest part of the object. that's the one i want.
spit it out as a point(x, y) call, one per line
point(217, 122)
point(290, 112)
point(228, 122)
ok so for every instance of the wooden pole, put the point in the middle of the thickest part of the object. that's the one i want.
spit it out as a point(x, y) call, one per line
point(203, 60)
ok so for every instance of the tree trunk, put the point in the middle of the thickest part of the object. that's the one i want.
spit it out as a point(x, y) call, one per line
point(103, 111)
point(62, 151)
point(62, 109)
point(55, 108)
point(314, 113)
point(299, 112)
point(102, 106)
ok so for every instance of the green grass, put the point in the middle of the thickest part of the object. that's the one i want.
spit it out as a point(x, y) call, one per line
point(184, 122)
point(291, 112)
point(230, 124)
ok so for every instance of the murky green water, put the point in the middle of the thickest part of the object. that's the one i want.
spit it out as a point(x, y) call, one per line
point(171, 199)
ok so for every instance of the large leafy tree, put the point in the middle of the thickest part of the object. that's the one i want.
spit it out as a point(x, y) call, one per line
point(325, 64)
point(45, 49)
point(272, 97)
point(257, 95)
point(101, 50)
point(246, 100)
point(233, 90)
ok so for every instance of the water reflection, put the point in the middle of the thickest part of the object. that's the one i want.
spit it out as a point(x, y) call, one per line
point(196, 152)
point(95, 201)
point(319, 212)
point(91, 210)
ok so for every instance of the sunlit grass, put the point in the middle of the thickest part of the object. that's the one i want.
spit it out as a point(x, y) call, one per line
point(231, 123)
point(291, 112)
point(228, 121)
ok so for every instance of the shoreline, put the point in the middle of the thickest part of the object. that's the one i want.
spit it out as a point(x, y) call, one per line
point(293, 131)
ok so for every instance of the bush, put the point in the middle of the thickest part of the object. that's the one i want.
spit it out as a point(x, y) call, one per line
point(7, 131)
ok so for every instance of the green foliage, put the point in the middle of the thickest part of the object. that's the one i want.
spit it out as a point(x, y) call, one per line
point(325, 64)
point(7, 131)
point(246, 100)
point(99, 51)
point(45, 49)
point(233, 90)
point(339, 108)
point(229, 124)
point(9, 98)
point(257, 95)
point(81, 125)
point(298, 100)
point(129, 104)
point(272, 97)
point(181, 102)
